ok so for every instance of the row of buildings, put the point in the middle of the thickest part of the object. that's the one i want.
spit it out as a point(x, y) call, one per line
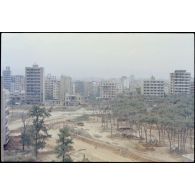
point(180, 83)
point(35, 88)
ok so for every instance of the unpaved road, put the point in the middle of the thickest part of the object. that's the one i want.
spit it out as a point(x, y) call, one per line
point(95, 143)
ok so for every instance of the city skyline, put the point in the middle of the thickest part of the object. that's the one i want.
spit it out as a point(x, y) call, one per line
point(99, 55)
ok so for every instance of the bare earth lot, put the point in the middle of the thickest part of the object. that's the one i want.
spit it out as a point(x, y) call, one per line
point(95, 143)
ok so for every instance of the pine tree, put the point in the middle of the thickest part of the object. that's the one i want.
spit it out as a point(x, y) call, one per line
point(64, 143)
point(38, 130)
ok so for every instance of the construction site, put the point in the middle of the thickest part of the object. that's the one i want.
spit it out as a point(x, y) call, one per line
point(93, 141)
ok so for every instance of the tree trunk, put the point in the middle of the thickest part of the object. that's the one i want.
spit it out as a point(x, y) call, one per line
point(150, 133)
point(146, 136)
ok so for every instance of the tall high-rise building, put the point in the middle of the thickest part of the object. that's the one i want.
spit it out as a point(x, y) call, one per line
point(180, 82)
point(66, 88)
point(52, 88)
point(34, 85)
point(153, 87)
point(7, 78)
point(124, 83)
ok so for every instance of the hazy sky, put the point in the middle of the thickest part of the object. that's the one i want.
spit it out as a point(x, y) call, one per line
point(105, 55)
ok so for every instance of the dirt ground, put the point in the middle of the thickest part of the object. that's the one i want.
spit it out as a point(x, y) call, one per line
point(96, 143)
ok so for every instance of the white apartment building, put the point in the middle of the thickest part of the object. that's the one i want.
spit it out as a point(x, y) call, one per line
point(34, 85)
point(52, 88)
point(66, 88)
point(153, 87)
point(180, 82)
point(109, 89)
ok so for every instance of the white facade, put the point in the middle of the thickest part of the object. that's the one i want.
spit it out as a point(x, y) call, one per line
point(34, 85)
point(66, 88)
point(180, 82)
point(154, 87)
point(52, 88)
point(109, 89)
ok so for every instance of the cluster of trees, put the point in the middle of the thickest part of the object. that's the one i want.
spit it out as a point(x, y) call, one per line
point(168, 120)
point(35, 133)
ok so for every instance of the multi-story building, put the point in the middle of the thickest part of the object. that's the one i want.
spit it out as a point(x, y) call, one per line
point(167, 87)
point(4, 115)
point(86, 88)
point(135, 86)
point(180, 82)
point(109, 89)
point(73, 100)
point(66, 88)
point(17, 98)
point(52, 88)
point(34, 85)
point(124, 83)
point(153, 87)
point(7, 78)
point(192, 86)
point(17, 84)
point(93, 89)
point(81, 88)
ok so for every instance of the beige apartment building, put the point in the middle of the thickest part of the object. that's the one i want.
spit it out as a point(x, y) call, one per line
point(52, 88)
point(66, 88)
point(109, 89)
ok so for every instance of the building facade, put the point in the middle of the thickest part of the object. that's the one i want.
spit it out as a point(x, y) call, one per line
point(153, 87)
point(34, 85)
point(109, 89)
point(81, 88)
point(52, 88)
point(7, 78)
point(180, 82)
point(66, 88)
point(4, 115)
point(192, 87)
point(124, 83)
point(18, 82)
